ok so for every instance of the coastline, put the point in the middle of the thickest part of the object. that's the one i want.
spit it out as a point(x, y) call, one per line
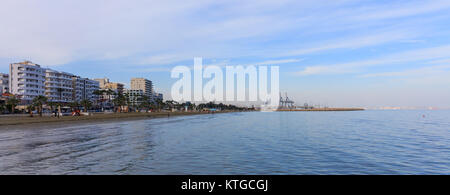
point(320, 110)
point(46, 121)
point(14, 122)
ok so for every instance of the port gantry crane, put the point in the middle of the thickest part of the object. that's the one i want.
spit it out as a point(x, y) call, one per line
point(286, 103)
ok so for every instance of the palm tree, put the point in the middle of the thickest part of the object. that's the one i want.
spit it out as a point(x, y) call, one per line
point(39, 101)
point(159, 104)
point(172, 104)
point(98, 93)
point(30, 109)
point(74, 105)
point(145, 102)
point(12, 102)
point(110, 92)
point(86, 104)
point(120, 101)
point(51, 104)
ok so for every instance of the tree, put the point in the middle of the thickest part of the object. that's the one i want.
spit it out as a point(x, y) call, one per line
point(110, 93)
point(74, 105)
point(145, 103)
point(99, 93)
point(86, 104)
point(52, 105)
point(159, 104)
point(120, 101)
point(172, 104)
point(2, 106)
point(39, 101)
point(12, 102)
point(30, 109)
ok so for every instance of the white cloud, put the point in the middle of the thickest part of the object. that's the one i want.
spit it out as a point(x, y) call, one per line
point(59, 32)
point(411, 72)
point(162, 59)
point(428, 54)
point(403, 10)
point(354, 43)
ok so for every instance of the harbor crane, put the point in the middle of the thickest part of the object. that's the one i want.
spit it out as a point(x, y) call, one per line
point(286, 103)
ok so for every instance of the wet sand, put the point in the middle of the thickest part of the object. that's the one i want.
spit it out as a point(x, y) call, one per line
point(15, 122)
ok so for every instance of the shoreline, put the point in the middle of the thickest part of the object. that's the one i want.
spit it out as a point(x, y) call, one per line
point(320, 110)
point(13, 122)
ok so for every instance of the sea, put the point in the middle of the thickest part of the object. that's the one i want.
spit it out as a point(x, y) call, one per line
point(249, 143)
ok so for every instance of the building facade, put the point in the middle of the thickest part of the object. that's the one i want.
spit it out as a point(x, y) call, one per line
point(102, 82)
point(142, 84)
point(58, 86)
point(84, 88)
point(4, 83)
point(158, 96)
point(105, 84)
point(26, 80)
point(134, 96)
point(116, 87)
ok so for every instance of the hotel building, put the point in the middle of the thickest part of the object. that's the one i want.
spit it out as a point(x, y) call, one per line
point(142, 84)
point(26, 80)
point(4, 83)
point(58, 86)
point(105, 85)
point(84, 88)
point(134, 96)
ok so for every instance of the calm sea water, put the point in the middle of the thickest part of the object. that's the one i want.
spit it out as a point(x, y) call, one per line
point(367, 142)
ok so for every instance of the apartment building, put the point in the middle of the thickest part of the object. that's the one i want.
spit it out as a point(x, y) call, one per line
point(58, 86)
point(102, 82)
point(142, 84)
point(84, 88)
point(134, 96)
point(158, 96)
point(4, 83)
point(105, 84)
point(26, 80)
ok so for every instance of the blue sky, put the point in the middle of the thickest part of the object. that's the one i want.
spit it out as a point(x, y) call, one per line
point(339, 53)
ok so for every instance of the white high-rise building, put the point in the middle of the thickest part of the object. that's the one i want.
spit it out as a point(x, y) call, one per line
point(4, 83)
point(26, 80)
point(84, 88)
point(58, 86)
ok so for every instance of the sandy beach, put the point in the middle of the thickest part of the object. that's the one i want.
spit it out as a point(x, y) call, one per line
point(9, 122)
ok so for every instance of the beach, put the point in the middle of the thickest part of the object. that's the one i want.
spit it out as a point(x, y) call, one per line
point(36, 121)
point(320, 110)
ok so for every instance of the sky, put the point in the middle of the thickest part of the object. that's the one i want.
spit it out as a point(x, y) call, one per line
point(342, 53)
